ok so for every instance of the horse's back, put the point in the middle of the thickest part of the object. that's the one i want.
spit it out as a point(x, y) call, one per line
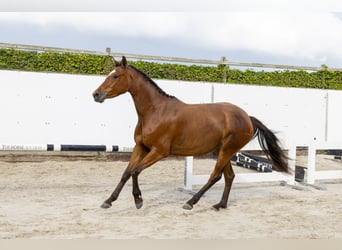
point(200, 128)
point(230, 116)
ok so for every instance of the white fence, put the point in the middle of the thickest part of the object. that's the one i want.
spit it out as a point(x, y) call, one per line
point(223, 60)
point(312, 173)
point(47, 108)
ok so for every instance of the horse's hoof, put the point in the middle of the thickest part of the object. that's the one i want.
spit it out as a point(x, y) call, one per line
point(187, 206)
point(218, 206)
point(106, 205)
point(139, 204)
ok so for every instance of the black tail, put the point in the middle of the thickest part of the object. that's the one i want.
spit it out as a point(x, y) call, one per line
point(270, 145)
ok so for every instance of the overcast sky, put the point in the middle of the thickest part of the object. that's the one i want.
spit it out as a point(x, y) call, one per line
point(310, 34)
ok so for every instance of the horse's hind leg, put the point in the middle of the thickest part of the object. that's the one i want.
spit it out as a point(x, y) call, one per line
point(228, 178)
point(222, 163)
point(212, 180)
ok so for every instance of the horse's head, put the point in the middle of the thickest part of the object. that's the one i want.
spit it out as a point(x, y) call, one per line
point(116, 83)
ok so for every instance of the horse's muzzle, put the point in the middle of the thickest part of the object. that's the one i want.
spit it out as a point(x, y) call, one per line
point(99, 96)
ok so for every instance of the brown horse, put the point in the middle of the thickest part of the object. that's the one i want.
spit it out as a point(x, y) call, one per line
point(167, 126)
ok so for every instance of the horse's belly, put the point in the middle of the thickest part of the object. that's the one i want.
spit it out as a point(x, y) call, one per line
point(195, 145)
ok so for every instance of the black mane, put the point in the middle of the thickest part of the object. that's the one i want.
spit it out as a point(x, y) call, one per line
point(152, 82)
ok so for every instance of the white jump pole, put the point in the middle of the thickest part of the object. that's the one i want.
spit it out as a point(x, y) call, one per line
point(63, 147)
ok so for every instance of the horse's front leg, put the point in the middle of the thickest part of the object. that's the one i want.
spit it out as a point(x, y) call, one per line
point(138, 154)
point(108, 203)
point(136, 192)
point(152, 157)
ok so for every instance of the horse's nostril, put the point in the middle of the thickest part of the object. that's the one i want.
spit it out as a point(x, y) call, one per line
point(96, 95)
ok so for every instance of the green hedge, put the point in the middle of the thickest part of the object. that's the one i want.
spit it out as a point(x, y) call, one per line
point(90, 64)
point(54, 62)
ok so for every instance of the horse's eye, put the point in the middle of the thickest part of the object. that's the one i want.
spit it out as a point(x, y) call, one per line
point(115, 76)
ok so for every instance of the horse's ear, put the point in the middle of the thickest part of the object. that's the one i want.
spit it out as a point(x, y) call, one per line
point(124, 62)
point(116, 63)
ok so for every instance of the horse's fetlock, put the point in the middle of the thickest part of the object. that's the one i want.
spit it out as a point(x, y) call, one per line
point(136, 193)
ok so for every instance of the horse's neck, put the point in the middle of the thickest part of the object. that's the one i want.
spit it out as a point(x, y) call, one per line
point(146, 97)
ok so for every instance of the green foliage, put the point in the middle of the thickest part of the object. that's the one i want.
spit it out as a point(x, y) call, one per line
point(323, 79)
point(54, 62)
point(179, 72)
point(98, 65)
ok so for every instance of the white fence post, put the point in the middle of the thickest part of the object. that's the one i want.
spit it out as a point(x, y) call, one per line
point(292, 153)
point(311, 165)
point(189, 160)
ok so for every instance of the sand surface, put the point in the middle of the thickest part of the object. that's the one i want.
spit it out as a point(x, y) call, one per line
point(61, 200)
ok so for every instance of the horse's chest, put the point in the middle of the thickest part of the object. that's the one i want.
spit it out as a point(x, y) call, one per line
point(148, 136)
point(151, 135)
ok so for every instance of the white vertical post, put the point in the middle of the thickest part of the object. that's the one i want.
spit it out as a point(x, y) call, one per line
point(189, 160)
point(292, 153)
point(326, 116)
point(212, 93)
point(311, 162)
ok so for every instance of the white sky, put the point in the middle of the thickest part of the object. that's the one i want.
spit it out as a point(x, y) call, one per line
point(171, 5)
point(309, 34)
